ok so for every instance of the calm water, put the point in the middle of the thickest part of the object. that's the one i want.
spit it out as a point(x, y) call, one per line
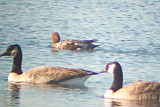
point(128, 32)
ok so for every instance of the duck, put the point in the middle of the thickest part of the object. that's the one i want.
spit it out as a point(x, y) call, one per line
point(43, 74)
point(72, 44)
point(139, 90)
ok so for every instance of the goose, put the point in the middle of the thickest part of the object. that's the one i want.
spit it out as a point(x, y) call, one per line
point(139, 90)
point(72, 44)
point(43, 74)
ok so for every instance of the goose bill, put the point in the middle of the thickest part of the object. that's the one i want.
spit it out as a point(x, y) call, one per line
point(4, 54)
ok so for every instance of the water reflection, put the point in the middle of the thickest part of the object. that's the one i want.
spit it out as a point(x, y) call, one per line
point(15, 91)
point(130, 103)
point(14, 95)
point(15, 87)
point(18, 92)
point(54, 50)
point(58, 86)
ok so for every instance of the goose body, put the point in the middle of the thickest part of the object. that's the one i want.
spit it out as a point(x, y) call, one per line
point(44, 74)
point(139, 90)
point(72, 44)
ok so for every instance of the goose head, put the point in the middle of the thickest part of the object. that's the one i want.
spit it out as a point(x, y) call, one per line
point(115, 69)
point(11, 50)
point(55, 37)
point(16, 52)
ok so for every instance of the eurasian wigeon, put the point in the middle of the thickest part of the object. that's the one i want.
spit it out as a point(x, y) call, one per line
point(72, 44)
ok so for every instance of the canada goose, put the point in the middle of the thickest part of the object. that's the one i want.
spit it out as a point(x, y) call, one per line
point(138, 90)
point(72, 44)
point(44, 74)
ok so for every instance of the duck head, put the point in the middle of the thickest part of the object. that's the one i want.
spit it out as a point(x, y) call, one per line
point(55, 37)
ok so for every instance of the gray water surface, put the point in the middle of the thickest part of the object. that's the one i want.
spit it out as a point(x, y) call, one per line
point(128, 32)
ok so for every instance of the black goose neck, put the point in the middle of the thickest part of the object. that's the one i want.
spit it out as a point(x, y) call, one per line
point(17, 62)
point(118, 79)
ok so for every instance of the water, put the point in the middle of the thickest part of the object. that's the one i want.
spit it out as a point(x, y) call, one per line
point(128, 32)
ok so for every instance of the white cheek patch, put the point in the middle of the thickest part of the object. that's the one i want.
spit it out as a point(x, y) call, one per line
point(14, 52)
point(111, 68)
